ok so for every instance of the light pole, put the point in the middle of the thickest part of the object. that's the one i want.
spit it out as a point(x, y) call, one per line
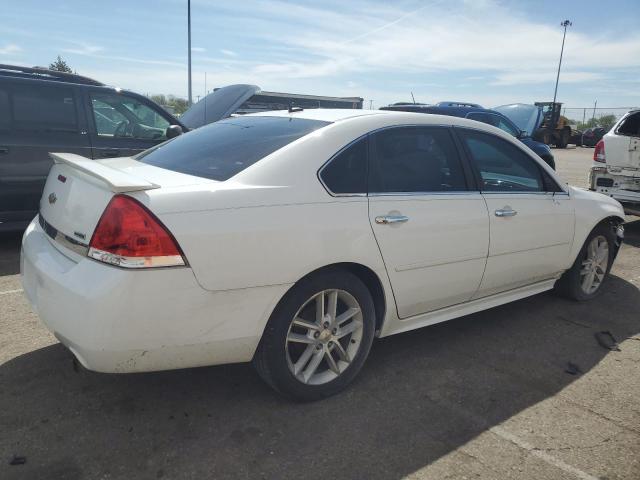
point(564, 24)
point(189, 46)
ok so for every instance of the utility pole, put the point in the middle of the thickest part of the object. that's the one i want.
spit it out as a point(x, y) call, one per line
point(594, 110)
point(564, 24)
point(189, 46)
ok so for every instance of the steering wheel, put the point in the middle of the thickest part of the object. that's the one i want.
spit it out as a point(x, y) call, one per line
point(121, 129)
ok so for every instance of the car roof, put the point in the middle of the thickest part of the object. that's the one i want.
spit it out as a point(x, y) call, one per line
point(322, 114)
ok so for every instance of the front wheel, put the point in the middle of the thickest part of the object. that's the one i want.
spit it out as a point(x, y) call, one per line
point(584, 280)
point(318, 337)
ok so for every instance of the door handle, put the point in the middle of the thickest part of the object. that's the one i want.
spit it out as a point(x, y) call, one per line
point(110, 153)
point(4, 150)
point(506, 212)
point(389, 219)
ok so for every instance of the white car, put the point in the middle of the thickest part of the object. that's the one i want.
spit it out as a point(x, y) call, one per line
point(292, 239)
point(616, 167)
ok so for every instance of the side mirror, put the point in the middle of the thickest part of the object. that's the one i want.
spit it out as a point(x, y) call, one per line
point(522, 134)
point(174, 131)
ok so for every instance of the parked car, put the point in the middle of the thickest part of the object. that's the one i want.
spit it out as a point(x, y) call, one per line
point(474, 111)
point(591, 136)
point(616, 167)
point(292, 239)
point(43, 110)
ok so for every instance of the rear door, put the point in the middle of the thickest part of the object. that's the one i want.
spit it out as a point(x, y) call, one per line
point(531, 218)
point(123, 124)
point(42, 117)
point(431, 227)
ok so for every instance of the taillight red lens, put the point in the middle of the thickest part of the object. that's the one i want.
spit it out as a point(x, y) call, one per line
point(129, 235)
point(598, 153)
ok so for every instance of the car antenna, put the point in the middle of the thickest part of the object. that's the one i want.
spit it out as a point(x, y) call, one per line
point(414, 98)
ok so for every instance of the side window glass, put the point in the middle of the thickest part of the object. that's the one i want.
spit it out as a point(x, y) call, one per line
point(4, 110)
point(44, 109)
point(479, 117)
point(120, 116)
point(503, 167)
point(347, 171)
point(502, 124)
point(415, 159)
point(631, 126)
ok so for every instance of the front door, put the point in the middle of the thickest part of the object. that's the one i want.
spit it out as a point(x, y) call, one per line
point(432, 230)
point(531, 218)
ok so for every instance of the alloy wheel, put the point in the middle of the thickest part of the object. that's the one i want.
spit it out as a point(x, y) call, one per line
point(594, 265)
point(324, 337)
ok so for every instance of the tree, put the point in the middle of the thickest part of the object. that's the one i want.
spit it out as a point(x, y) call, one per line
point(60, 66)
point(605, 121)
point(177, 105)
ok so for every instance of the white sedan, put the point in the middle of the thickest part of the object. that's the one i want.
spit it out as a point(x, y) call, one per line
point(292, 239)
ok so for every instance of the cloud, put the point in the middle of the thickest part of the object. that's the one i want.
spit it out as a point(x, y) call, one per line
point(84, 49)
point(10, 49)
point(198, 49)
point(532, 77)
point(228, 53)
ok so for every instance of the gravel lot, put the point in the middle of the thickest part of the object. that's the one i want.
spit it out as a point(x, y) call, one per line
point(484, 396)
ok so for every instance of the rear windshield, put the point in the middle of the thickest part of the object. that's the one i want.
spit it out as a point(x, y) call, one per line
point(222, 149)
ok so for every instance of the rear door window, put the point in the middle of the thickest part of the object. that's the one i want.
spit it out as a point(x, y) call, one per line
point(222, 149)
point(44, 108)
point(415, 160)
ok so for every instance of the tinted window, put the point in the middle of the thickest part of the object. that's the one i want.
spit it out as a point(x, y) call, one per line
point(631, 126)
point(347, 171)
point(415, 159)
point(503, 167)
point(122, 116)
point(4, 109)
point(44, 108)
point(222, 149)
point(495, 120)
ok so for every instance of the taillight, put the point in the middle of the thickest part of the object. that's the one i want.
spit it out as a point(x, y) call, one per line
point(598, 153)
point(128, 235)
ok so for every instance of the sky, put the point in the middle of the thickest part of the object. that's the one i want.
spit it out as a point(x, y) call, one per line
point(490, 52)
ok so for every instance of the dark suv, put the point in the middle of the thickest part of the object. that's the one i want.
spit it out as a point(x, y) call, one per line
point(44, 111)
point(473, 111)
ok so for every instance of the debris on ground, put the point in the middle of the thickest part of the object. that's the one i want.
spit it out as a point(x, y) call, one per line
point(16, 460)
point(573, 369)
point(607, 340)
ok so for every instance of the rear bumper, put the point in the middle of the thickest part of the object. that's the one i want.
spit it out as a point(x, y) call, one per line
point(116, 320)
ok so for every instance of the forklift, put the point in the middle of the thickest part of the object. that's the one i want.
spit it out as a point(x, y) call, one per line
point(554, 128)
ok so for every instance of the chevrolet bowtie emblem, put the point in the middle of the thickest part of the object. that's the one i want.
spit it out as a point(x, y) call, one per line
point(52, 198)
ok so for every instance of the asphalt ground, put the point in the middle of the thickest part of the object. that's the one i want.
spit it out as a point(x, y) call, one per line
point(522, 391)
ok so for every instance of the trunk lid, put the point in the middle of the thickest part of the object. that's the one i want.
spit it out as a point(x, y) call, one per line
point(78, 190)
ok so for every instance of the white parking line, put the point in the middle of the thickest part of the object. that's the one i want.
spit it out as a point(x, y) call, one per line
point(7, 292)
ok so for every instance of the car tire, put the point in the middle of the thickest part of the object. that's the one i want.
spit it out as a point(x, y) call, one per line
point(574, 282)
point(564, 139)
point(299, 336)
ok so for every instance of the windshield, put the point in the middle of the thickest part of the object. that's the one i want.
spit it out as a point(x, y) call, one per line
point(526, 117)
point(221, 150)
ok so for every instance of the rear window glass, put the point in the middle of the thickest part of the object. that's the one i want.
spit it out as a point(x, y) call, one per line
point(222, 149)
point(38, 108)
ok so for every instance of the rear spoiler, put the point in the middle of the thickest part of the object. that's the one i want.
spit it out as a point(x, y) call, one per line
point(117, 180)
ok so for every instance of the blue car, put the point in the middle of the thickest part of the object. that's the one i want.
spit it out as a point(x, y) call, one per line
point(473, 111)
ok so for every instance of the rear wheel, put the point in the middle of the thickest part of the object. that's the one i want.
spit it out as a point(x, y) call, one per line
point(565, 135)
point(584, 280)
point(318, 337)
